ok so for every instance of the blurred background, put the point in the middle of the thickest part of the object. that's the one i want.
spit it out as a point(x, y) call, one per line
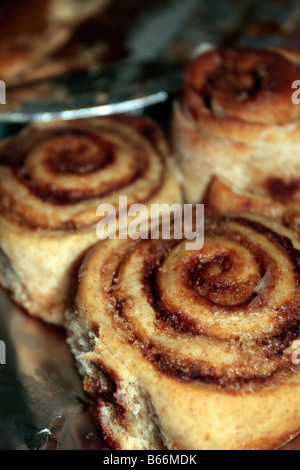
point(81, 58)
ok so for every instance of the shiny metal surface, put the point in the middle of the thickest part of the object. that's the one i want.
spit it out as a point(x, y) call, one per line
point(42, 404)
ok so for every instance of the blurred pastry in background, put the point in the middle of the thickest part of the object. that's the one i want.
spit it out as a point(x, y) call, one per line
point(42, 38)
point(236, 120)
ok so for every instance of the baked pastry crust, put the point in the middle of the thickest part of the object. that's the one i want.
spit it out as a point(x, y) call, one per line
point(192, 349)
point(223, 198)
point(236, 120)
point(52, 179)
point(29, 40)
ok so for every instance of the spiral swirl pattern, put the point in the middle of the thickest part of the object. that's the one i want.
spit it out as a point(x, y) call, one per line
point(55, 176)
point(236, 119)
point(221, 315)
point(206, 333)
point(244, 84)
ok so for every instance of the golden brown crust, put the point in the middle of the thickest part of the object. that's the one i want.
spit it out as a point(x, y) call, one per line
point(53, 178)
point(222, 198)
point(205, 335)
point(236, 120)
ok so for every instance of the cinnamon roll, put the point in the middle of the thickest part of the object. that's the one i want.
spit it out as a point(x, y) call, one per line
point(236, 120)
point(32, 41)
point(282, 203)
point(52, 179)
point(193, 349)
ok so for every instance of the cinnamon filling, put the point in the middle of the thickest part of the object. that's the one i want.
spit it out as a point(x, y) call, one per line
point(75, 156)
point(283, 191)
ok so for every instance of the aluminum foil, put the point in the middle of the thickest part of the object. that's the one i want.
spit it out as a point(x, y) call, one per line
point(42, 403)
